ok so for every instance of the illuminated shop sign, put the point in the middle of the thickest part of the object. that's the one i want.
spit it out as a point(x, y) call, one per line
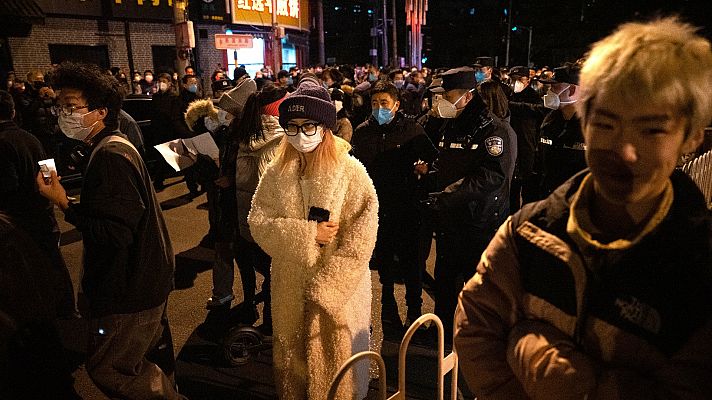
point(142, 9)
point(290, 13)
point(208, 11)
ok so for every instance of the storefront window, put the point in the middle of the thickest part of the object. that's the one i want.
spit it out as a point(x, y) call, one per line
point(252, 58)
point(289, 55)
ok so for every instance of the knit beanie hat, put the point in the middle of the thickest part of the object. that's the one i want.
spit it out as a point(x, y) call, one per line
point(309, 77)
point(270, 98)
point(234, 100)
point(310, 101)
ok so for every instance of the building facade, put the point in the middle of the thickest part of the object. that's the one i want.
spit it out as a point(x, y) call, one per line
point(138, 35)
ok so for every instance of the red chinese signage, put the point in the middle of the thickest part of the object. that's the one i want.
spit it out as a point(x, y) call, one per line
point(224, 42)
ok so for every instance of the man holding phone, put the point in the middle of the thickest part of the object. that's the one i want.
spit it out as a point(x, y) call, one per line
point(20, 154)
point(128, 259)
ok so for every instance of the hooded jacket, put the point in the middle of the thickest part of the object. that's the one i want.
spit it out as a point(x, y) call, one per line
point(321, 296)
point(251, 163)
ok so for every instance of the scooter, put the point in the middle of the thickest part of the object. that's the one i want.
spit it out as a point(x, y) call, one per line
point(243, 341)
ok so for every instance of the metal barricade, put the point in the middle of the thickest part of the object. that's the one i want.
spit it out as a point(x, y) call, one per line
point(700, 170)
point(445, 364)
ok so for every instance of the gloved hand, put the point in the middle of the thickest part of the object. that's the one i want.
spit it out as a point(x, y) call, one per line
point(547, 363)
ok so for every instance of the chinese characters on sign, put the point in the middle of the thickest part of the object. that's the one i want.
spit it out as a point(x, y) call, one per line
point(285, 8)
point(139, 9)
point(224, 42)
point(155, 3)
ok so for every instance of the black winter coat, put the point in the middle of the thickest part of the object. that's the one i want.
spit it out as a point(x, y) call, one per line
point(128, 257)
point(389, 153)
point(19, 197)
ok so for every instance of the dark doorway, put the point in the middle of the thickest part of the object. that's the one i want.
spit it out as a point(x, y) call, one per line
point(164, 58)
point(5, 58)
point(98, 55)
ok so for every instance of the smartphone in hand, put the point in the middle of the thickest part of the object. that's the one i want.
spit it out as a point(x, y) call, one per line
point(318, 214)
point(46, 166)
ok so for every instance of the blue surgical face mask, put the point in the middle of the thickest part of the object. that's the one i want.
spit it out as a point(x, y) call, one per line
point(479, 76)
point(399, 83)
point(371, 77)
point(383, 115)
point(290, 81)
point(193, 88)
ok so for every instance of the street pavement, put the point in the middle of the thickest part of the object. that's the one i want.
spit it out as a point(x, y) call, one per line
point(202, 372)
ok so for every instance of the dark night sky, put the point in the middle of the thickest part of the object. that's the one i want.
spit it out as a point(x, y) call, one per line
point(460, 30)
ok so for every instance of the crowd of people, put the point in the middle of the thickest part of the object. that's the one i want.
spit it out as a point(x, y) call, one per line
point(551, 195)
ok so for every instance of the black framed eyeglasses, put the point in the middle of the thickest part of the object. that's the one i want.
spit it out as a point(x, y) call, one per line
point(66, 111)
point(308, 129)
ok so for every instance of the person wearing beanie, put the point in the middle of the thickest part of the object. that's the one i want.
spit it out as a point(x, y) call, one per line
point(254, 137)
point(315, 212)
point(233, 101)
point(222, 203)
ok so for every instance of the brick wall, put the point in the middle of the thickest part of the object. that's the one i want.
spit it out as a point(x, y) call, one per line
point(208, 55)
point(33, 51)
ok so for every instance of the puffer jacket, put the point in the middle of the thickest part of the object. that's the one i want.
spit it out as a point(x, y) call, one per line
point(554, 314)
point(251, 163)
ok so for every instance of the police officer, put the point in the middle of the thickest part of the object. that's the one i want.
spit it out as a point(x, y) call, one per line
point(562, 147)
point(527, 114)
point(474, 170)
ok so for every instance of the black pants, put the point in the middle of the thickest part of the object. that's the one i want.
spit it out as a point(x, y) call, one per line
point(397, 253)
point(458, 253)
point(250, 258)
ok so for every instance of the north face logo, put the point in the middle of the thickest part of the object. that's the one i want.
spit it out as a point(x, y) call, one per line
point(295, 108)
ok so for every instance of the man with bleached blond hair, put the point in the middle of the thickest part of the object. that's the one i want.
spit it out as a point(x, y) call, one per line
point(603, 290)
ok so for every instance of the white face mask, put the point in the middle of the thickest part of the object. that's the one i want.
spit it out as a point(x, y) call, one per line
point(518, 86)
point(212, 124)
point(552, 100)
point(73, 125)
point(306, 144)
point(162, 86)
point(446, 109)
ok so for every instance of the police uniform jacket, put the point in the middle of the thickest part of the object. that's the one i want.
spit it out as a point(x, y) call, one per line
point(562, 148)
point(474, 170)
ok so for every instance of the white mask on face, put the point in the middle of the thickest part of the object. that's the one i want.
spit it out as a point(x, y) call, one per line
point(213, 124)
point(518, 86)
point(306, 144)
point(552, 100)
point(73, 125)
point(446, 109)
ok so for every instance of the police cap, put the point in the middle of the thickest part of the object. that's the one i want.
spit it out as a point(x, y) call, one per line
point(456, 78)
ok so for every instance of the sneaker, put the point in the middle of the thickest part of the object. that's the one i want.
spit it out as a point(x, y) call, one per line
point(214, 302)
point(391, 322)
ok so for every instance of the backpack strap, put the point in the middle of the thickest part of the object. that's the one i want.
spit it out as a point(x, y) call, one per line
point(111, 138)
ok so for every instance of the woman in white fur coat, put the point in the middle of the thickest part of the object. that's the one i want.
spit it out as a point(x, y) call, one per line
point(321, 284)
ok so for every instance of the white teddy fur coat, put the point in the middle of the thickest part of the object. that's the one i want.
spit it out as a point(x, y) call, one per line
point(321, 296)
